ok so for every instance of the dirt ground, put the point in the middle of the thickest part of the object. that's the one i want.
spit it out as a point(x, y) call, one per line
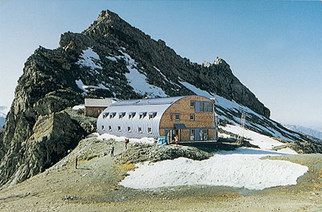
point(93, 186)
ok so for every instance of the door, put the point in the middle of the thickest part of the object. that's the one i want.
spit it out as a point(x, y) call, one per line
point(192, 135)
point(170, 135)
point(197, 135)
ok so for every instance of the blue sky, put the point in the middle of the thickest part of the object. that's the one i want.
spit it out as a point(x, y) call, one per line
point(273, 47)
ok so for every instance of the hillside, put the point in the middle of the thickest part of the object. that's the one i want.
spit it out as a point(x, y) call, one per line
point(110, 59)
point(95, 184)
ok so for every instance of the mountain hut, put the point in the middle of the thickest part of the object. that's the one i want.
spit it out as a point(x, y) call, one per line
point(189, 118)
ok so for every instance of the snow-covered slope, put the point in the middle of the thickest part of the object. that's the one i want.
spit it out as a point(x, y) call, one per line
point(229, 112)
point(305, 130)
point(241, 168)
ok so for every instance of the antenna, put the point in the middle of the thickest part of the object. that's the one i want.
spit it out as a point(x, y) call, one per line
point(240, 137)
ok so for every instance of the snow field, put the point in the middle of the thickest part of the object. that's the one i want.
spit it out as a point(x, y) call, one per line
point(264, 142)
point(240, 168)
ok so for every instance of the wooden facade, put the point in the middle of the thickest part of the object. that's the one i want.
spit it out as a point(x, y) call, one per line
point(198, 126)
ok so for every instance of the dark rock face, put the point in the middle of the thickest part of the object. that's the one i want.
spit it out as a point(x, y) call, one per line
point(38, 133)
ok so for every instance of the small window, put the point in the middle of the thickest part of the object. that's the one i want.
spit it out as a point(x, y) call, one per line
point(192, 104)
point(119, 128)
point(192, 116)
point(152, 115)
point(139, 129)
point(102, 127)
point(142, 115)
point(112, 115)
point(131, 115)
point(208, 107)
point(129, 129)
point(121, 115)
point(150, 130)
point(105, 115)
point(177, 116)
point(109, 128)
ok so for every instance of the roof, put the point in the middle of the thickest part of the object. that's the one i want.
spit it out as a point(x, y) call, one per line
point(153, 107)
point(155, 101)
point(99, 102)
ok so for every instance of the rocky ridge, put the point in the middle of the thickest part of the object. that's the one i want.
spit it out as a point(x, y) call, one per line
point(109, 59)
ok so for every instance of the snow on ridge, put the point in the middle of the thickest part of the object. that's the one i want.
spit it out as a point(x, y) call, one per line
point(83, 87)
point(240, 168)
point(111, 58)
point(137, 80)
point(90, 59)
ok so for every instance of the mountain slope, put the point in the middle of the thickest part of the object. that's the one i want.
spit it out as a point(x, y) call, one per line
point(109, 59)
point(3, 111)
point(305, 130)
point(2, 119)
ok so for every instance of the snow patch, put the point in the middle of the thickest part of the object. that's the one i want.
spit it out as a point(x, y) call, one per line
point(111, 58)
point(137, 80)
point(90, 59)
point(77, 107)
point(263, 141)
point(84, 87)
point(240, 168)
point(122, 138)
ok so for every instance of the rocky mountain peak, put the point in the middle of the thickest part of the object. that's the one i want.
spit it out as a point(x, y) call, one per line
point(108, 15)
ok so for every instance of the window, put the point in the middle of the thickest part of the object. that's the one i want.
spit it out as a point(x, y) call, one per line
point(150, 130)
point(152, 115)
point(142, 115)
point(204, 107)
point(119, 128)
point(112, 115)
point(131, 115)
point(102, 127)
point(139, 129)
point(121, 115)
point(129, 129)
point(105, 115)
point(192, 104)
point(175, 116)
point(203, 133)
point(192, 116)
point(110, 128)
point(208, 107)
